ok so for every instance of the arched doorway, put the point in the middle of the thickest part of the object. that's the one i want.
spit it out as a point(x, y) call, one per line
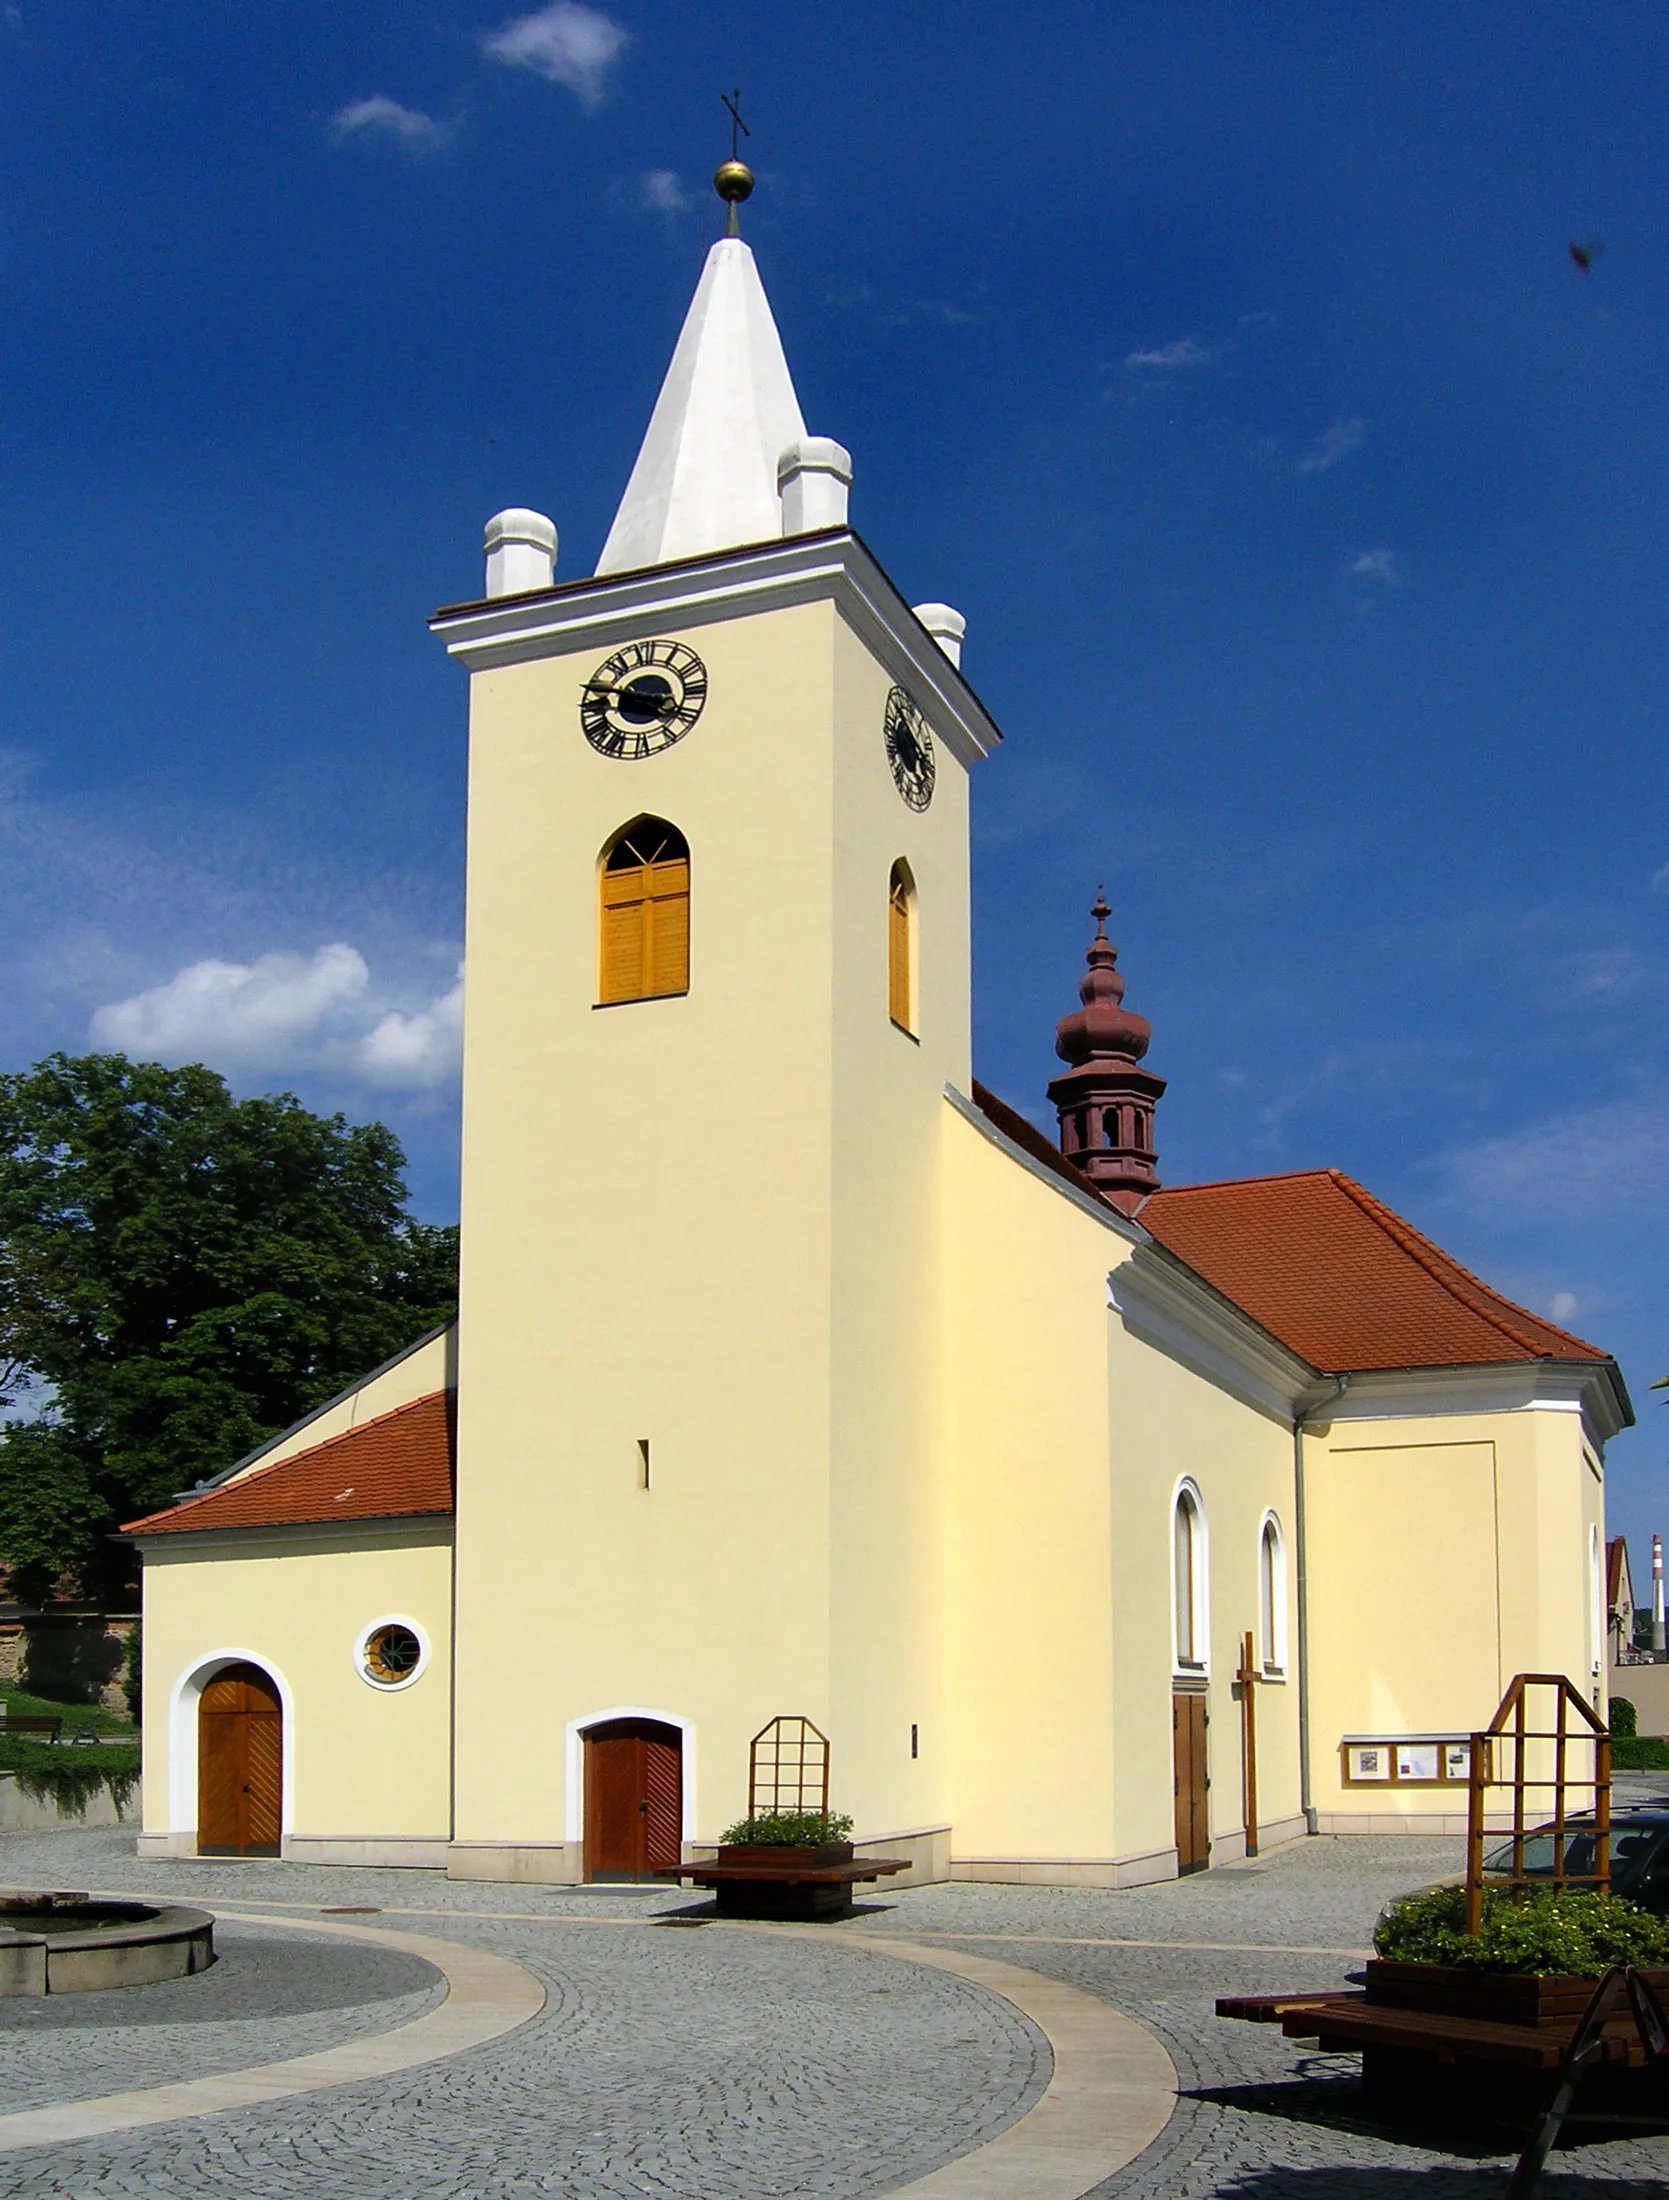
point(634, 1803)
point(240, 1764)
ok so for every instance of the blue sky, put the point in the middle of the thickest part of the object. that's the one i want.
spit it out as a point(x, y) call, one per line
point(1226, 365)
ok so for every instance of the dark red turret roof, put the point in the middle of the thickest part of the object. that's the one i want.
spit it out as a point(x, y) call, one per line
point(400, 1463)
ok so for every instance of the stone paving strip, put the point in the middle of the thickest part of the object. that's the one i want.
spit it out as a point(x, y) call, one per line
point(1109, 2096)
point(486, 1995)
point(1110, 2091)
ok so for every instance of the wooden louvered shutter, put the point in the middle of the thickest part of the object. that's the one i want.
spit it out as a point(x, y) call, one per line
point(898, 955)
point(624, 914)
point(644, 930)
point(667, 910)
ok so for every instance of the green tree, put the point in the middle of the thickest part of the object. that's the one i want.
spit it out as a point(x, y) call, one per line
point(182, 1274)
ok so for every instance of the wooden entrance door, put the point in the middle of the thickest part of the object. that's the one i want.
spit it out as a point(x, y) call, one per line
point(1189, 1721)
point(633, 1798)
point(240, 1764)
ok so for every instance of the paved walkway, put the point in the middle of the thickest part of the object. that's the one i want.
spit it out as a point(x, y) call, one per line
point(728, 2065)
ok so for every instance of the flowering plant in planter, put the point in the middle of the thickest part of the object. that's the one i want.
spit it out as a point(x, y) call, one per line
point(787, 1829)
point(1545, 1935)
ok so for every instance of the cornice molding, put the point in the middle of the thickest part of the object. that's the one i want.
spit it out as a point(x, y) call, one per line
point(1164, 1303)
point(620, 607)
point(385, 1531)
point(1584, 1387)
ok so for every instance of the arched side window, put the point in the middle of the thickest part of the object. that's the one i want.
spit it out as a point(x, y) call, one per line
point(901, 922)
point(1272, 1599)
point(1191, 1618)
point(643, 931)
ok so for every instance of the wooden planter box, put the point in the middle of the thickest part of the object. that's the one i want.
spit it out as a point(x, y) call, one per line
point(754, 1880)
point(1495, 1997)
point(775, 1857)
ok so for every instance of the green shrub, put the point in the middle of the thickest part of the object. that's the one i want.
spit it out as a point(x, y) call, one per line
point(1547, 1935)
point(67, 1777)
point(1640, 1753)
point(1625, 1721)
point(788, 1829)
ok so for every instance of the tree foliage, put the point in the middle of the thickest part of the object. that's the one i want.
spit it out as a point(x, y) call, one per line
point(183, 1274)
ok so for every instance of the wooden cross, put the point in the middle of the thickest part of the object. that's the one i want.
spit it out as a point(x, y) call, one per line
point(733, 100)
point(1248, 1677)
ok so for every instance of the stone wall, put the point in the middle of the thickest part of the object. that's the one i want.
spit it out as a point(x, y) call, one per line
point(68, 1653)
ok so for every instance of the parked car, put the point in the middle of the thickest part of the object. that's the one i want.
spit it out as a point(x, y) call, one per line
point(1639, 1846)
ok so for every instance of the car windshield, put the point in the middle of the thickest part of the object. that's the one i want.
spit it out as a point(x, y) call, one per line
point(1630, 1846)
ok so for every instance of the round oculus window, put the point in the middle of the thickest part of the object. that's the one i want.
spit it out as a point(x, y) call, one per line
point(391, 1654)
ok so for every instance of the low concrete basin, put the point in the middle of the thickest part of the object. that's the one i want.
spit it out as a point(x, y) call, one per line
point(71, 1944)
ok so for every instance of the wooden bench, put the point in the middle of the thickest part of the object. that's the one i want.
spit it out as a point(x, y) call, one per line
point(798, 1891)
point(19, 1722)
point(1349, 2023)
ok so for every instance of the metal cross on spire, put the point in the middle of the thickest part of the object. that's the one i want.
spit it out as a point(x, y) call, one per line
point(733, 179)
point(733, 100)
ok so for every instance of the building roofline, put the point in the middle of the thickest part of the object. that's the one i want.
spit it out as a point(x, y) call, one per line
point(270, 1443)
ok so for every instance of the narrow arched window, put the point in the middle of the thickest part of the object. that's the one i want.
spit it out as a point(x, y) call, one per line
point(1188, 1579)
point(901, 912)
point(644, 913)
point(1272, 1598)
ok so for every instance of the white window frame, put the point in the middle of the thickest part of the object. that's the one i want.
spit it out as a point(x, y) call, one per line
point(1273, 1595)
point(1197, 1667)
point(362, 1644)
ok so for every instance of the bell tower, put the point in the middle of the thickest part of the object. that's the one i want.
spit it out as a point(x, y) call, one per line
point(717, 937)
point(1106, 1098)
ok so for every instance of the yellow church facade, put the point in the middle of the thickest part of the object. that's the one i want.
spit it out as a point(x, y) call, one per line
point(796, 1376)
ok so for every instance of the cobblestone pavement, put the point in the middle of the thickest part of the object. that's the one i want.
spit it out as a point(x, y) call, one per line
point(716, 2065)
point(272, 1994)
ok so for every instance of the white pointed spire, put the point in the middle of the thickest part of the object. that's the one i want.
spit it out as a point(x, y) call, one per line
point(706, 477)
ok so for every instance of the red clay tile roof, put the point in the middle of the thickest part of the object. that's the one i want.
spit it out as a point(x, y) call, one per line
point(1345, 1283)
point(399, 1463)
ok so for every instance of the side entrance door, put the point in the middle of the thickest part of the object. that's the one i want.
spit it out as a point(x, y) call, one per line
point(240, 1764)
point(634, 1806)
point(1189, 1721)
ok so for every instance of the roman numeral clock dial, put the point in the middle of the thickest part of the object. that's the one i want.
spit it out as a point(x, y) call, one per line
point(643, 699)
point(909, 750)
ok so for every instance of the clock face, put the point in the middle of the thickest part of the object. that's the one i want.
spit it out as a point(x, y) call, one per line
point(643, 698)
point(909, 750)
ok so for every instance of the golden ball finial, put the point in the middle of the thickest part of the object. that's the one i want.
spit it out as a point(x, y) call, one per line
point(733, 180)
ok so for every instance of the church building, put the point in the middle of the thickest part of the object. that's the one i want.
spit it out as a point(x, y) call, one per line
point(1104, 1529)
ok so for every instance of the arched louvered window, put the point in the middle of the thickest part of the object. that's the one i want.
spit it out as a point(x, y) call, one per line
point(1188, 1596)
point(644, 913)
point(901, 916)
point(1272, 1598)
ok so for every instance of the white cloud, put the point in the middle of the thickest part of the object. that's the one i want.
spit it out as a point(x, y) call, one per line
point(420, 1049)
point(380, 117)
point(1608, 1160)
point(1185, 352)
point(1343, 437)
point(565, 43)
point(251, 1014)
point(1376, 565)
point(1562, 1307)
point(288, 1014)
point(663, 190)
point(1660, 877)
